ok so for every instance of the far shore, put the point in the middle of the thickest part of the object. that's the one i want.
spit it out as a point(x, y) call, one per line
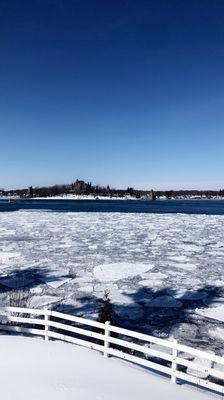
point(106, 198)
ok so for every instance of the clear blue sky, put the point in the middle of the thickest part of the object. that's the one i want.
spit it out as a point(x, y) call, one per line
point(125, 92)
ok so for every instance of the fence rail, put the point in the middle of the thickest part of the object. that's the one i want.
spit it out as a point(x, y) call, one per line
point(174, 359)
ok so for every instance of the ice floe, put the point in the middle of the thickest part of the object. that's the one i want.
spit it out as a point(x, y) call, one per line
point(216, 313)
point(42, 301)
point(117, 271)
point(166, 302)
point(217, 333)
point(158, 269)
point(203, 363)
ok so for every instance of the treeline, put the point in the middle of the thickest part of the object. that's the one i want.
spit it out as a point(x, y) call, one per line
point(80, 187)
point(170, 194)
point(77, 188)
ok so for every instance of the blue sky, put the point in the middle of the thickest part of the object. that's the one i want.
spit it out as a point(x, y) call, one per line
point(119, 92)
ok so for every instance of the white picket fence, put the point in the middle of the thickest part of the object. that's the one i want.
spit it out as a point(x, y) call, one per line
point(100, 336)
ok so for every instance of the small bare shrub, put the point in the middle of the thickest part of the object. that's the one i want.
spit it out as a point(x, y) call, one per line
point(18, 298)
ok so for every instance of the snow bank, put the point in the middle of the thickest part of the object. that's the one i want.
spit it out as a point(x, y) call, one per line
point(34, 369)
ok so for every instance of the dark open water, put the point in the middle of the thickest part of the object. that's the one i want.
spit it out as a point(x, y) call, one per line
point(208, 207)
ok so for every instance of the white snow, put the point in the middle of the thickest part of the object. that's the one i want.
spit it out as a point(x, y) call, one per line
point(34, 369)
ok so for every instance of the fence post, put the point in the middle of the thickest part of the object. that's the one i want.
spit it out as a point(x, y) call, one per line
point(106, 334)
point(46, 327)
point(174, 364)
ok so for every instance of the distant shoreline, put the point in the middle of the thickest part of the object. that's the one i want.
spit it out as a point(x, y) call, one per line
point(104, 198)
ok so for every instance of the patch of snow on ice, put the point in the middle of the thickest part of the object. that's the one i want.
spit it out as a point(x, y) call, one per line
point(86, 289)
point(36, 290)
point(196, 372)
point(56, 283)
point(212, 312)
point(41, 301)
point(117, 271)
point(216, 333)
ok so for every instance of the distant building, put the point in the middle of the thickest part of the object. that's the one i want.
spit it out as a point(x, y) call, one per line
point(150, 196)
point(30, 192)
point(81, 187)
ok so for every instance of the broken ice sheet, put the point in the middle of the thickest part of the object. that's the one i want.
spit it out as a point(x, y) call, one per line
point(181, 255)
point(42, 301)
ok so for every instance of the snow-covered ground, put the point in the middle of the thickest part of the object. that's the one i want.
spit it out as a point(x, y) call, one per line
point(34, 369)
point(164, 272)
point(84, 197)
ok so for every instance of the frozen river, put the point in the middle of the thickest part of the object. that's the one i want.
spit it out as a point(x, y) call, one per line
point(164, 272)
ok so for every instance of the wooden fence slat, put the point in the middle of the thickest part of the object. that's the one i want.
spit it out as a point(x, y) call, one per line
point(141, 348)
point(24, 320)
point(195, 366)
point(139, 361)
point(199, 353)
point(34, 331)
point(106, 337)
point(23, 310)
point(114, 352)
point(174, 364)
point(200, 382)
point(141, 336)
point(79, 320)
point(75, 329)
point(74, 340)
point(46, 324)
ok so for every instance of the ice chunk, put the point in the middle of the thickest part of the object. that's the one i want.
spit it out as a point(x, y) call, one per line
point(165, 301)
point(214, 301)
point(189, 295)
point(196, 372)
point(17, 282)
point(212, 312)
point(150, 283)
point(157, 347)
point(36, 290)
point(217, 333)
point(41, 301)
point(131, 312)
point(187, 266)
point(154, 276)
point(117, 271)
point(87, 289)
point(93, 247)
point(218, 367)
point(5, 256)
point(56, 283)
